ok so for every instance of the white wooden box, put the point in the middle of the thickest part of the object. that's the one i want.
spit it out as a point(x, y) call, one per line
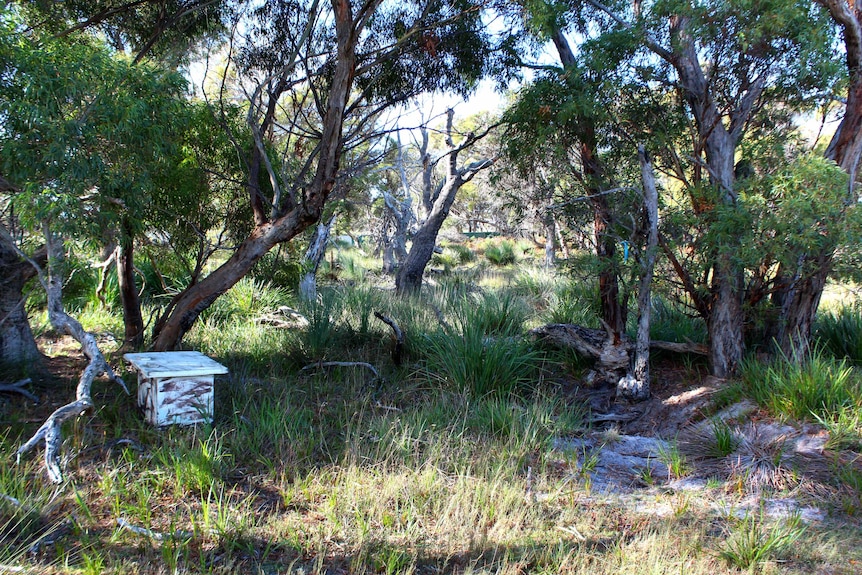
point(175, 387)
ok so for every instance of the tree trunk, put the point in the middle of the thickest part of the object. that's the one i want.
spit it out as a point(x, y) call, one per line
point(395, 250)
point(312, 259)
point(187, 306)
point(17, 345)
point(132, 316)
point(409, 277)
point(550, 240)
point(636, 385)
point(799, 298)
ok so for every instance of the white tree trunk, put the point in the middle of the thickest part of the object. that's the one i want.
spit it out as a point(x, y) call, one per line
point(635, 385)
point(312, 259)
point(52, 282)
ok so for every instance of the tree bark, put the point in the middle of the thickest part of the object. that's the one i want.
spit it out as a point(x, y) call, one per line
point(636, 385)
point(550, 240)
point(592, 175)
point(313, 257)
point(17, 345)
point(133, 319)
point(187, 306)
point(799, 296)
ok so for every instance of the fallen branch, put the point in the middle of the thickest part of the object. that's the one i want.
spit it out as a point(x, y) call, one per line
point(52, 282)
point(123, 524)
point(587, 341)
point(17, 387)
point(320, 364)
point(397, 337)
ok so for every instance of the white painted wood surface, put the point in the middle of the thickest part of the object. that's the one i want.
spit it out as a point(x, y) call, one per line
point(175, 387)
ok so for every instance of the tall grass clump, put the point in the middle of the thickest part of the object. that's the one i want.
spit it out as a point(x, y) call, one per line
point(840, 333)
point(249, 298)
point(819, 386)
point(669, 322)
point(501, 254)
point(473, 363)
point(576, 303)
point(750, 542)
point(496, 314)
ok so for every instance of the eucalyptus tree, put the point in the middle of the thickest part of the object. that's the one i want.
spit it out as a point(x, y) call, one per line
point(164, 30)
point(437, 200)
point(561, 125)
point(350, 61)
point(802, 282)
point(726, 60)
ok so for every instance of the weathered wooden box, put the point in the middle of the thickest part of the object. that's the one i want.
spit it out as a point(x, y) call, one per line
point(175, 387)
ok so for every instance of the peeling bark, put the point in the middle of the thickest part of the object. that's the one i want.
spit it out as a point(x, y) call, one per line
point(313, 257)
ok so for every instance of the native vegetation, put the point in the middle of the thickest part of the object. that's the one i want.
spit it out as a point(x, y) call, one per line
point(437, 325)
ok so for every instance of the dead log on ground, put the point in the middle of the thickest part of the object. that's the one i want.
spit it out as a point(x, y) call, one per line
point(611, 353)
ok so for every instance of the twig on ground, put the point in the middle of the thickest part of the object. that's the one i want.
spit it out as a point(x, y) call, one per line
point(397, 336)
point(123, 524)
point(17, 387)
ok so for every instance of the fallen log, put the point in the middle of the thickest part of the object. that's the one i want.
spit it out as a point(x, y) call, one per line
point(611, 352)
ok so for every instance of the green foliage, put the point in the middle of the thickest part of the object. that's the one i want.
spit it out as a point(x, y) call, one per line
point(840, 333)
point(501, 254)
point(818, 386)
point(463, 253)
point(246, 300)
point(671, 323)
point(79, 120)
point(471, 362)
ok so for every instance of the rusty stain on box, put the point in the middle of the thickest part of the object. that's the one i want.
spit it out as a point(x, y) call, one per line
point(175, 387)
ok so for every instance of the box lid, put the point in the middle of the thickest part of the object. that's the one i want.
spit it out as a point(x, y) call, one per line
point(174, 364)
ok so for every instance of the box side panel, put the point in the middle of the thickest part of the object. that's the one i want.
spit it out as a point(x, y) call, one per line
point(185, 400)
point(148, 399)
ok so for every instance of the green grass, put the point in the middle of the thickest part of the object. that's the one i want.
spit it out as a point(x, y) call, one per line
point(444, 464)
point(818, 387)
point(840, 333)
point(752, 541)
